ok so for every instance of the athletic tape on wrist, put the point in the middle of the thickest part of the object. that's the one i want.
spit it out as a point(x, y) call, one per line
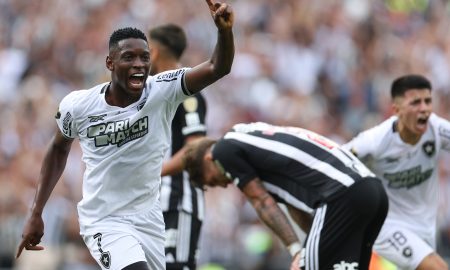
point(294, 248)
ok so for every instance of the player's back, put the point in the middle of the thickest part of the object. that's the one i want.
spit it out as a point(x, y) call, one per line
point(291, 162)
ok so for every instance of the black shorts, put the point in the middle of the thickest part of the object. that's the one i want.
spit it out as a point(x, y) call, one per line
point(344, 229)
point(182, 234)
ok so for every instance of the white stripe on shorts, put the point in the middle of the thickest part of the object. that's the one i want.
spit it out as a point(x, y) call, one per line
point(184, 236)
point(312, 245)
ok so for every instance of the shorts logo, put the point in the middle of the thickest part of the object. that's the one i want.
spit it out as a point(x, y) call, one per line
point(105, 257)
point(400, 243)
point(346, 266)
point(407, 252)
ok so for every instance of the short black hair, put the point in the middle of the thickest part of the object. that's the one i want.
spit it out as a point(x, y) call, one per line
point(171, 36)
point(407, 82)
point(125, 33)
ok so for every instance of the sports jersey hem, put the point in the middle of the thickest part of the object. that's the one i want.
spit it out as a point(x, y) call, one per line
point(125, 214)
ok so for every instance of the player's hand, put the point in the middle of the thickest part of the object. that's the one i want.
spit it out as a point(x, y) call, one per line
point(32, 234)
point(295, 265)
point(222, 14)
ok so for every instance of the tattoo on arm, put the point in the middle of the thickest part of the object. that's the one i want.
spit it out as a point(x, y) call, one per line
point(272, 215)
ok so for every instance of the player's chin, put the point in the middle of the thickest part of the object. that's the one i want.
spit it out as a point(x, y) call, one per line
point(135, 89)
point(421, 129)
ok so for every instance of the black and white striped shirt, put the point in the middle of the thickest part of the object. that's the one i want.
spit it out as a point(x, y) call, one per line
point(297, 166)
point(177, 193)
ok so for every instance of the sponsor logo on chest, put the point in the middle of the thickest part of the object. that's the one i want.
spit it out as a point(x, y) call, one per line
point(118, 132)
point(408, 178)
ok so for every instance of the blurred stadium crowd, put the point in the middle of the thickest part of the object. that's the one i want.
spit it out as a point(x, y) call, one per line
point(324, 65)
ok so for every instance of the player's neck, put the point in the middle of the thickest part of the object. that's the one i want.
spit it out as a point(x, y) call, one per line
point(119, 98)
point(406, 135)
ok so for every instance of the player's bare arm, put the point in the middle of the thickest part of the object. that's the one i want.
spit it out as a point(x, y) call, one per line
point(51, 170)
point(221, 61)
point(303, 219)
point(269, 211)
point(175, 164)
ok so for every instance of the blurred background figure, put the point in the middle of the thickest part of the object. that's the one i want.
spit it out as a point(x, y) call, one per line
point(323, 65)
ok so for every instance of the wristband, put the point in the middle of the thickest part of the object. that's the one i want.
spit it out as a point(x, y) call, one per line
point(294, 248)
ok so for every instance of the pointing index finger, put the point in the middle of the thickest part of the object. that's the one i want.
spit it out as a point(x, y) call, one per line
point(19, 250)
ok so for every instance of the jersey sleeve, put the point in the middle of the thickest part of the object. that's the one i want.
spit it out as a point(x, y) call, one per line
point(444, 133)
point(362, 146)
point(173, 86)
point(65, 116)
point(230, 158)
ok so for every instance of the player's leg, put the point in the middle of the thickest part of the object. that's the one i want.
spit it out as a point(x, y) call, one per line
point(149, 229)
point(338, 236)
point(137, 266)
point(182, 234)
point(406, 249)
point(433, 262)
point(378, 205)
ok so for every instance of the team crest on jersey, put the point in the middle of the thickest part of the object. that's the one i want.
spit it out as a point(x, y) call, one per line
point(141, 105)
point(429, 147)
point(118, 132)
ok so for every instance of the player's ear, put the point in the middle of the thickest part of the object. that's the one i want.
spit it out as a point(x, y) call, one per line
point(154, 53)
point(109, 63)
point(208, 156)
point(395, 106)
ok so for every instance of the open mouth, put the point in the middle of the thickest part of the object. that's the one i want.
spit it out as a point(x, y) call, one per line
point(137, 80)
point(422, 122)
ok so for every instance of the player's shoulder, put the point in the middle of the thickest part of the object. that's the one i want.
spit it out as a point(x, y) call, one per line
point(370, 141)
point(79, 100)
point(379, 131)
point(224, 145)
point(440, 125)
point(436, 120)
point(81, 95)
point(168, 75)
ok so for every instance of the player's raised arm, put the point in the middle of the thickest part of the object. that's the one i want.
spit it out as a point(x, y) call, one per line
point(221, 60)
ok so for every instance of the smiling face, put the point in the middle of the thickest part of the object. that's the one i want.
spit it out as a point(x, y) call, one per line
point(413, 110)
point(129, 64)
